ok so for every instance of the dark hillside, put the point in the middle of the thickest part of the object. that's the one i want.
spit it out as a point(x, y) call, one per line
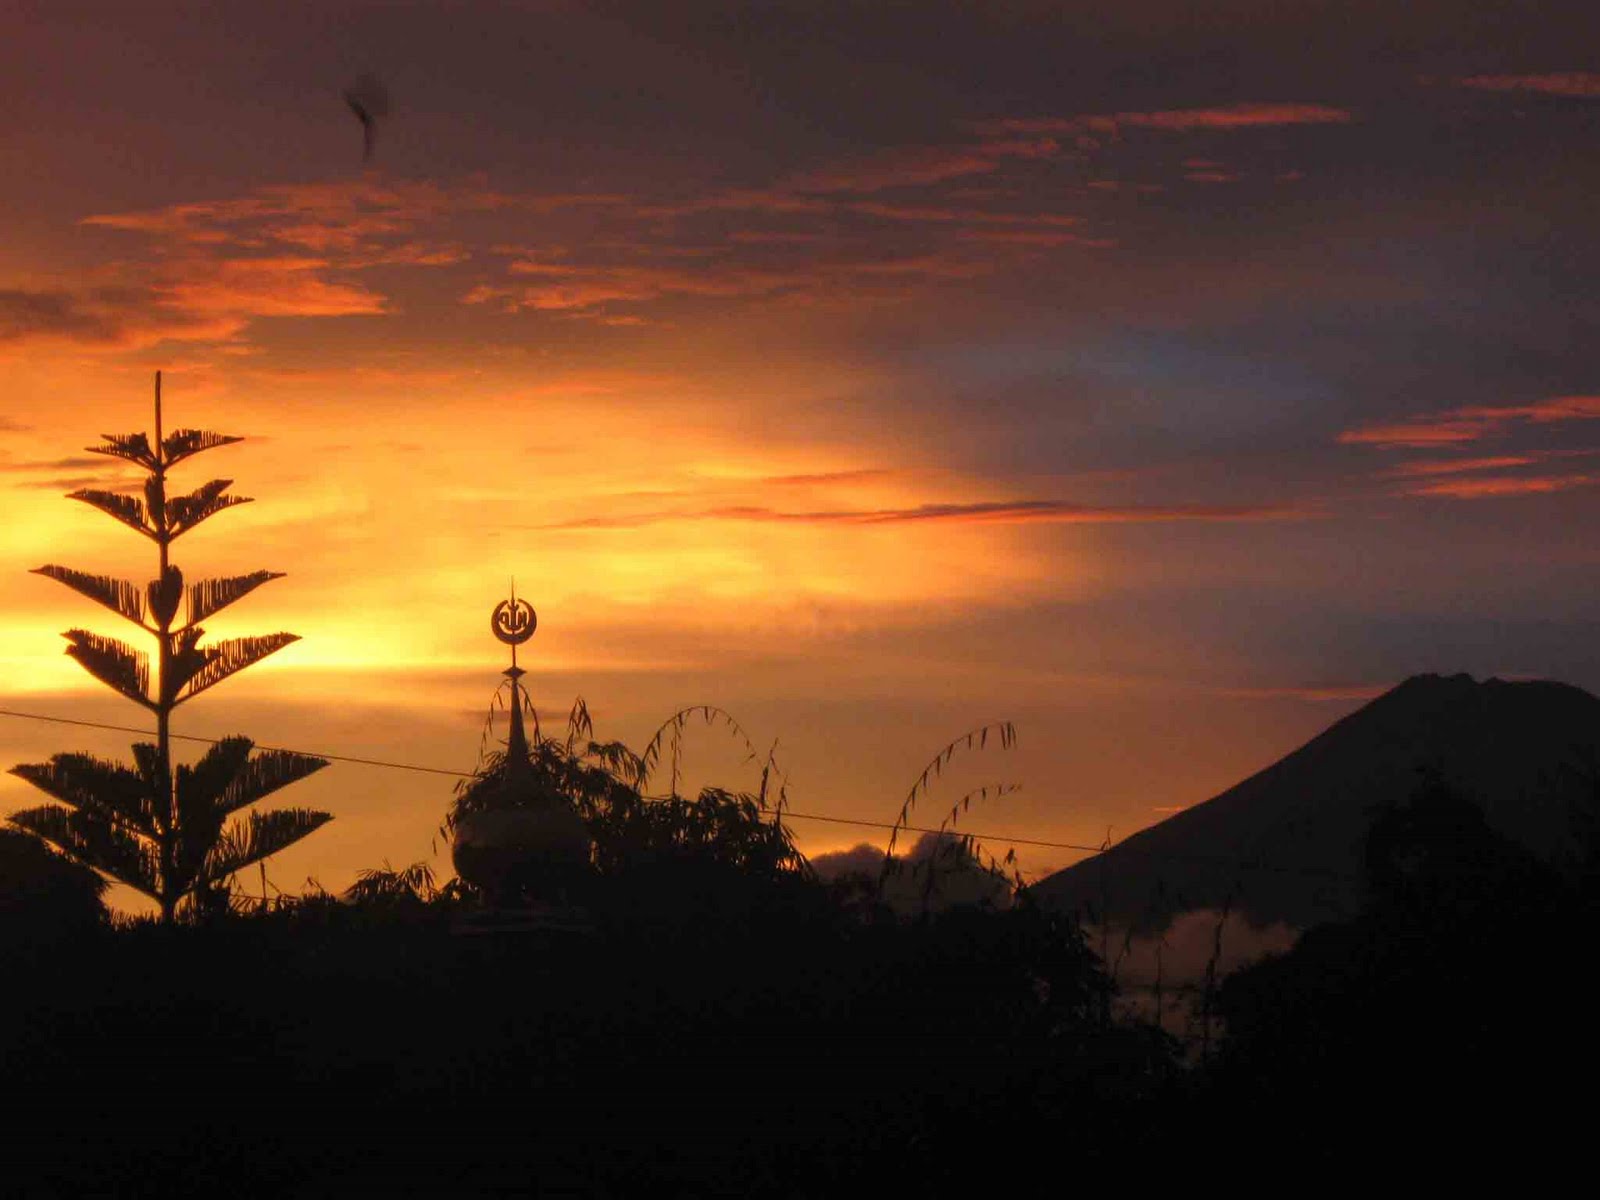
point(1285, 842)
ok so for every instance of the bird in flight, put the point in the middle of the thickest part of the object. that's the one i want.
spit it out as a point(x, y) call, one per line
point(369, 100)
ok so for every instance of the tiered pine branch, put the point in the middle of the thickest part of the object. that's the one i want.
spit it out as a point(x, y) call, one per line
point(173, 834)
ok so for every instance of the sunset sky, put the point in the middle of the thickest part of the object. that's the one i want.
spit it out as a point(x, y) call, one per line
point(1165, 378)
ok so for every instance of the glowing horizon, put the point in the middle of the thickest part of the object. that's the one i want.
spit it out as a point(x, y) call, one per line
point(1166, 415)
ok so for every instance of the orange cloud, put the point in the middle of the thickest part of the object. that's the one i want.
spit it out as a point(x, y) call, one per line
point(1413, 434)
point(607, 250)
point(918, 166)
point(1559, 408)
point(1032, 237)
point(770, 201)
point(340, 216)
point(803, 192)
point(1472, 423)
point(109, 318)
point(51, 315)
point(1459, 466)
point(862, 475)
point(965, 216)
point(981, 512)
point(292, 249)
point(48, 474)
point(192, 299)
point(1562, 83)
point(266, 287)
point(768, 237)
point(1505, 485)
point(1233, 116)
point(585, 290)
point(1177, 120)
point(209, 268)
point(320, 217)
point(1023, 148)
point(577, 288)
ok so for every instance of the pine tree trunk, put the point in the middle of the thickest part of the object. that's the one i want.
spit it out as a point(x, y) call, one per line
point(164, 701)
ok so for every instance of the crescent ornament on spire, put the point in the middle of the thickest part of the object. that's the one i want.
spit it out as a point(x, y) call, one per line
point(514, 621)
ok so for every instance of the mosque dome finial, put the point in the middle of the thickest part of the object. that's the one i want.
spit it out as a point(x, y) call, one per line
point(521, 839)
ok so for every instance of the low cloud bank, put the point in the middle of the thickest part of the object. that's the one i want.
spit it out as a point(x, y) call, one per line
point(937, 873)
point(1181, 953)
point(1161, 978)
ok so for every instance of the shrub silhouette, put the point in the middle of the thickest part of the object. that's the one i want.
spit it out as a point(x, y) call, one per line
point(44, 894)
point(717, 834)
point(1438, 972)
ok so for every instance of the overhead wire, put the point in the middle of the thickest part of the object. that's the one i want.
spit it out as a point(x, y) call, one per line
point(998, 838)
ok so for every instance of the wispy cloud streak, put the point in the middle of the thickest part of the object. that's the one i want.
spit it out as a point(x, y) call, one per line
point(1176, 120)
point(1471, 423)
point(1504, 485)
point(1427, 468)
point(981, 512)
point(1561, 83)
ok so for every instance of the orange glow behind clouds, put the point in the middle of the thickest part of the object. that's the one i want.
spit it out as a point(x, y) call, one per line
point(1036, 403)
point(400, 522)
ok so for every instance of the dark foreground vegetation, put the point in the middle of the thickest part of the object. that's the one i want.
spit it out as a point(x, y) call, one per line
point(721, 1029)
point(1448, 1019)
point(708, 1035)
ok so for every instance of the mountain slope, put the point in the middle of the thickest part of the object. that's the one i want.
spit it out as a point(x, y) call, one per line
point(1285, 843)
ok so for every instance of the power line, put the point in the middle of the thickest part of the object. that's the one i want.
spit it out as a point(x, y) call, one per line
point(993, 837)
point(786, 812)
point(211, 741)
point(402, 766)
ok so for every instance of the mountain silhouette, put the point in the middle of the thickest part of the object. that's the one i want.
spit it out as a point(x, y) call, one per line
point(1284, 845)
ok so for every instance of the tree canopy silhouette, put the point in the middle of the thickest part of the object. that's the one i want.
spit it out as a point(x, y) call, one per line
point(605, 784)
point(170, 833)
point(42, 892)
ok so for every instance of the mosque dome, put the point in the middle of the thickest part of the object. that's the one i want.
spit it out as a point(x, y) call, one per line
point(521, 840)
point(535, 851)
